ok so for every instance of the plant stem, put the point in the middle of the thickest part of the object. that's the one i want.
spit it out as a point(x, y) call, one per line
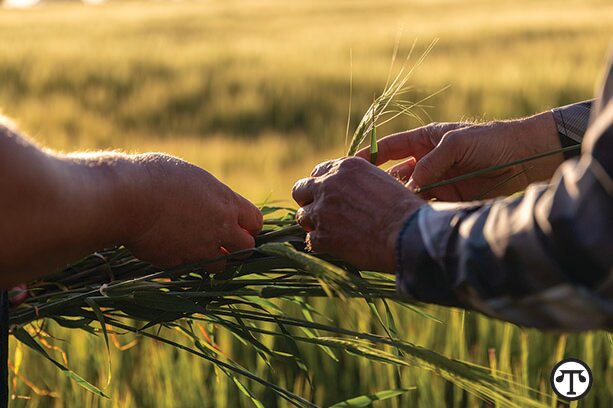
point(494, 168)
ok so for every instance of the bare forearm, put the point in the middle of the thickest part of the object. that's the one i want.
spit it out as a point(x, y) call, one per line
point(54, 208)
point(538, 135)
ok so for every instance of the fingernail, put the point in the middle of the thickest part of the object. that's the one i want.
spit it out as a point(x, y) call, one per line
point(411, 185)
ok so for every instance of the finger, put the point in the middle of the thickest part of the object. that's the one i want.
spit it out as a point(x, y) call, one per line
point(249, 216)
point(403, 171)
point(238, 240)
point(435, 164)
point(304, 218)
point(322, 168)
point(416, 142)
point(398, 146)
point(303, 191)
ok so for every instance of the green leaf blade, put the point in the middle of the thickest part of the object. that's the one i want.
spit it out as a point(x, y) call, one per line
point(366, 400)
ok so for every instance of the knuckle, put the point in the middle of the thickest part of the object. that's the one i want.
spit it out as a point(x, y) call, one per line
point(434, 131)
point(297, 186)
point(330, 184)
point(300, 185)
point(452, 139)
point(322, 168)
point(347, 166)
point(350, 163)
point(330, 187)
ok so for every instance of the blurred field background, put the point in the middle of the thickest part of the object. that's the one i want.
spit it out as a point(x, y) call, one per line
point(257, 92)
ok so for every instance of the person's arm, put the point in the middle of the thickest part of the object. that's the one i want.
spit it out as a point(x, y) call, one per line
point(57, 208)
point(541, 259)
point(441, 151)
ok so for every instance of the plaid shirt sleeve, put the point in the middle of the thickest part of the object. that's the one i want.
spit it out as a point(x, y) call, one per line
point(572, 122)
point(543, 258)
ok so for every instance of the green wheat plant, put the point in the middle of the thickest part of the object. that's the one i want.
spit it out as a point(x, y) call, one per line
point(111, 291)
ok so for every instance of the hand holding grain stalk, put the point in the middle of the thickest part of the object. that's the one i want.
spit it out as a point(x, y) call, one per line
point(502, 257)
point(65, 206)
point(442, 151)
point(353, 210)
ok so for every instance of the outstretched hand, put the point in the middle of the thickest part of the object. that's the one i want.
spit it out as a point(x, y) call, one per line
point(184, 214)
point(355, 211)
point(63, 206)
point(441, 151)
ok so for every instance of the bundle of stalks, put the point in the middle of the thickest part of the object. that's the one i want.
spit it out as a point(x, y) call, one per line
point(112, 291)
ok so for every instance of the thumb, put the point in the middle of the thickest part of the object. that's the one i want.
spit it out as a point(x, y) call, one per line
point(403, 171)
point(249, 217)
point(433, 166)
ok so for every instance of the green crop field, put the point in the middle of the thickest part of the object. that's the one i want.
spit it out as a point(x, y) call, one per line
point(257, 92)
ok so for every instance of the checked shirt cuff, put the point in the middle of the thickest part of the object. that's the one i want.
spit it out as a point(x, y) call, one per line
point(572, 121)
point(421, 253)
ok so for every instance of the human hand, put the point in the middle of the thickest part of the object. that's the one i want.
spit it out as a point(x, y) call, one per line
point(181, 213)
point(353, 210)
point(441, 151)
point(62, 207)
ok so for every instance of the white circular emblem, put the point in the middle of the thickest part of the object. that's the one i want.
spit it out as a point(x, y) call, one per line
point(571, 379)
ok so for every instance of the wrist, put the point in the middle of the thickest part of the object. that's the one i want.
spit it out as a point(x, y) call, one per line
point(134, 195)
point(394, 230)
point(99, 191)
point(539, 134)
